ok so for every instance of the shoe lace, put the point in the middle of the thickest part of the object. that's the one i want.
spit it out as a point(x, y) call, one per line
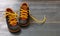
point(24, 14)
point(12, 18)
